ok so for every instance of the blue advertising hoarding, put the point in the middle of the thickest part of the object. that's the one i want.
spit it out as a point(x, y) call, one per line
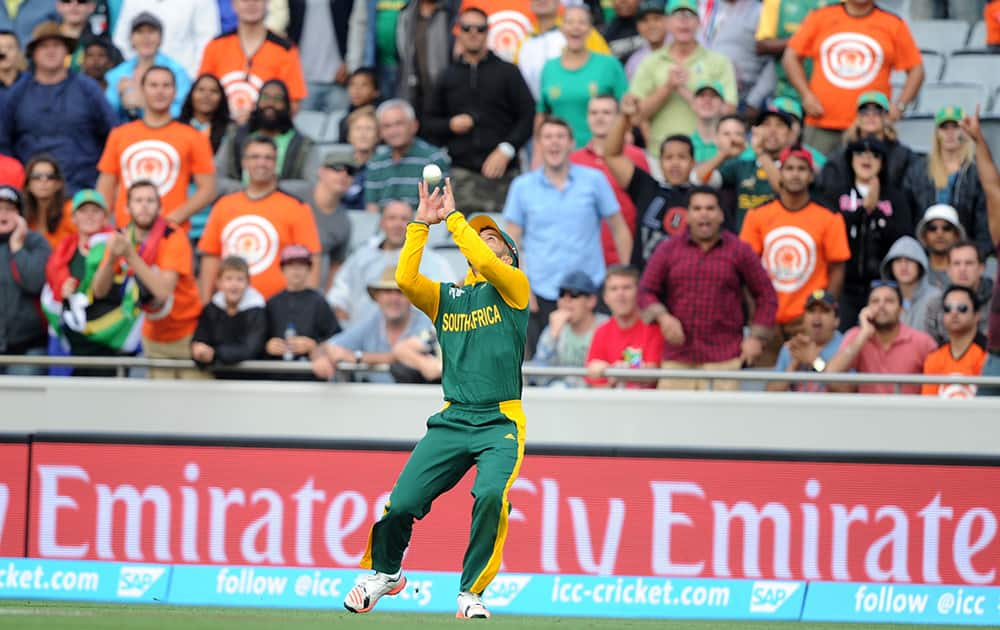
point(902, 603)
point(27, 578)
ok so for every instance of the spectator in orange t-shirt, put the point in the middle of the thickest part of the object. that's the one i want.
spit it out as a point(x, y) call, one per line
point(245, 59)
point(965, 352)
point(991, 14)
point(255, 224)
point(159, 254)
point(46, 208)
point(159, 149)
point(802, 245)
point(854, 46)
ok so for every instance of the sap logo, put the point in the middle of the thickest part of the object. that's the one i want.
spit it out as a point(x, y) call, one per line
point(768, 597)
point(504, 590)
point(134, 582)
point(456, 292)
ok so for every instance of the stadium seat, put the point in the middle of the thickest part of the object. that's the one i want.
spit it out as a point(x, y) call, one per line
point(977, 35)
point(364, 225)
point(899, 7)
point(934, 64)
point(934, 96)
point(916, 132)
point(973, 67)
point(312, 124)
point(944, 36)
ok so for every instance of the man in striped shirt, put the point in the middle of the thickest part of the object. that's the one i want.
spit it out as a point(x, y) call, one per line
point(397, 166)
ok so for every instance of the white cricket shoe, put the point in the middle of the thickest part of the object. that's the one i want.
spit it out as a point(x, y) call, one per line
point(471, 607)
point(367, 592)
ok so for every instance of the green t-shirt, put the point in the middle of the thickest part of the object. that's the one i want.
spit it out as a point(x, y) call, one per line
point(749, 181)
point(566, 93)
point(790, 17)
point(386, 15)
point(703, 151)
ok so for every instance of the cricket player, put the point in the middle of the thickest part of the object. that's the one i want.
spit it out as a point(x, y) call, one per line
point(481, 326)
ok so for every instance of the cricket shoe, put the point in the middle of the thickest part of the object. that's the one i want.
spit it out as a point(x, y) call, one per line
point(367, 592)
point(471, 607)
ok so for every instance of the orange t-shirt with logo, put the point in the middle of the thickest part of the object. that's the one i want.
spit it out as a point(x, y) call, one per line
point(257, 230)
point(942, 363)
point(65, 228)
point(991, 14)
point(168, 156)
point(852, 55)
point(180, 317)
point(795, 249)
point(242, 78)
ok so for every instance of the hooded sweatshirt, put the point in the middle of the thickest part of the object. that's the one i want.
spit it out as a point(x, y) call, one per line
point(238, 337)
point(916, 309)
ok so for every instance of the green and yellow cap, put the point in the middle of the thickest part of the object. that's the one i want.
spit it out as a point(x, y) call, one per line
point(874, 97)
point(88, 195)
point(678, 5)
point(788, 105)
point(948, 113)
point(709, 85)
point(482, 222)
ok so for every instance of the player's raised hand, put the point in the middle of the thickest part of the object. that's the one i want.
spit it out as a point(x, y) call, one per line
point(428, 210)
point(447, 200)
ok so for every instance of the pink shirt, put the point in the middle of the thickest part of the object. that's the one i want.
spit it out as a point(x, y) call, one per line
point(905, 355)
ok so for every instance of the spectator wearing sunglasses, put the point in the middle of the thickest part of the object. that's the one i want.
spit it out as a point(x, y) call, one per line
point(565, 341)
point(482, 112)
point(881, 344)
point(938, 231)
point(966, 268)
point(964, 352)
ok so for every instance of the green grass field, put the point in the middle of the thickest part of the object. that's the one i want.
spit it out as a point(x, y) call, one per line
point(29, 615)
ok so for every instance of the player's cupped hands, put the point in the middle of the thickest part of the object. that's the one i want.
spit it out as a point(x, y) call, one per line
point(447, 201)
point(429, 208)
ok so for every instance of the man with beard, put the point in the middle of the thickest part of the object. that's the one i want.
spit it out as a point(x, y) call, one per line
point(965, 349)
point(159, 254)
point(271, 118)
point(881, 344)
point(158, 149)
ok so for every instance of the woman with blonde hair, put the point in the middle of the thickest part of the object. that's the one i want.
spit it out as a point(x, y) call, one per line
point(953, 179)
point(362, 135)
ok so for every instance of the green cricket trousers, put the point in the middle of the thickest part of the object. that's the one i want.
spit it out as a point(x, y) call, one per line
point(491, 438)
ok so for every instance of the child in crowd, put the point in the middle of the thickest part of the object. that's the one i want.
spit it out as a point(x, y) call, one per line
point(233, 326)
point(362, 90)
point(297, 318)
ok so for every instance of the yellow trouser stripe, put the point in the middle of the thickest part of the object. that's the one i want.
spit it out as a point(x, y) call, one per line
point(366, 560)
point(512, 409)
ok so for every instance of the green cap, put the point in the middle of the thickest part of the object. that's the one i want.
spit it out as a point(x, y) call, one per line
point(709, 85)
point(483, 222)
point(948, 113)
point(874, 98)
point(788, 105)
point(677, 5)
point(86, 196)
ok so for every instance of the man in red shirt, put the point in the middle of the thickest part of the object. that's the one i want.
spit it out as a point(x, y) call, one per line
point(693, 289)
point(601, 112)
point(624, 341)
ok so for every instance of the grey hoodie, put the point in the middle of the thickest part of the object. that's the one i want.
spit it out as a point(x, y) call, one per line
point(915, 310)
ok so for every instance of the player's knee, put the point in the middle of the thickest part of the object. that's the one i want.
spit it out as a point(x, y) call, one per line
point(490, 498)
point(404, 507)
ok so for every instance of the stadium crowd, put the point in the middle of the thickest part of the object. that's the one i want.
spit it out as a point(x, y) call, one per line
point(701, 184)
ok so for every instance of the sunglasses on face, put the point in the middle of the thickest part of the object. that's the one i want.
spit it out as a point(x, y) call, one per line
point(75, 1)
point(340, 168)
point(951, 307)
point(871, 110)
point(571, 293)
point(47, 177)
point(479, 28)
point(940, 227)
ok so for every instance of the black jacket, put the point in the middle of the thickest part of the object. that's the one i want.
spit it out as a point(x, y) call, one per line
point(494, 93)
point(968, 198)
point(306, 310)
point(238, 337)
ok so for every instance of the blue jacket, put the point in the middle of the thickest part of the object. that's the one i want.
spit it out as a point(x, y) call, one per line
point(71, 120)
point(125, 70)
point(31, 14)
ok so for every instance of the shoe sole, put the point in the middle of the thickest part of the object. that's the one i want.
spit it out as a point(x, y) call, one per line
point(395, 591)
point(459, 615)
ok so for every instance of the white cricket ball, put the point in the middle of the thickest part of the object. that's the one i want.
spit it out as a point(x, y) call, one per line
point(432, 175)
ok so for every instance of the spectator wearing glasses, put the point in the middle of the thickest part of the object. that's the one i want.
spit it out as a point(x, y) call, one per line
point(482, 112)
point(47, 209)
point(964, 351)
point(938, 231)
point(966, 268)
point(881, 344)
point(811, 349)
point(566, 339)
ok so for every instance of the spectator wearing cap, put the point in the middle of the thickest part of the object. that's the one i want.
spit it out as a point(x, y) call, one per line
point(661, 208)
point(876, 215)
point(693, 288)
point(22, 17)
point(938, 231)
point(622, 32)
point(964, 350)
point(665, 79)
point(52, 110)
point(730, 29)
point(840, 77)
point(881, 344)
point(906, 265)
point(953, 177)
point(601, 112)
point(370, 340)
point(966, 269)
point(12, 61)
point(792, 107)
point(349, 295)
point(779, 20)
point(482, 112)
point(298, 318)
point(187, 27)
point(23, 254)
point(710, 108)
point(75, 22)
point(905, 168)
point(124, 81)
point(802, 245)
point(811, 349)
point(651, 24)
point(751, 177)
point(566, 339)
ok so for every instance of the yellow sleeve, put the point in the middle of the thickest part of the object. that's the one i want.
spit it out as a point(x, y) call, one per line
point(595, 43)
point(767, 25)
point(423, 292)
point(508, 280)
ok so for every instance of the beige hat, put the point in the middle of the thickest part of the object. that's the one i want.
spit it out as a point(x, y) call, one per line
point(45, 31)
point(385, 282)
